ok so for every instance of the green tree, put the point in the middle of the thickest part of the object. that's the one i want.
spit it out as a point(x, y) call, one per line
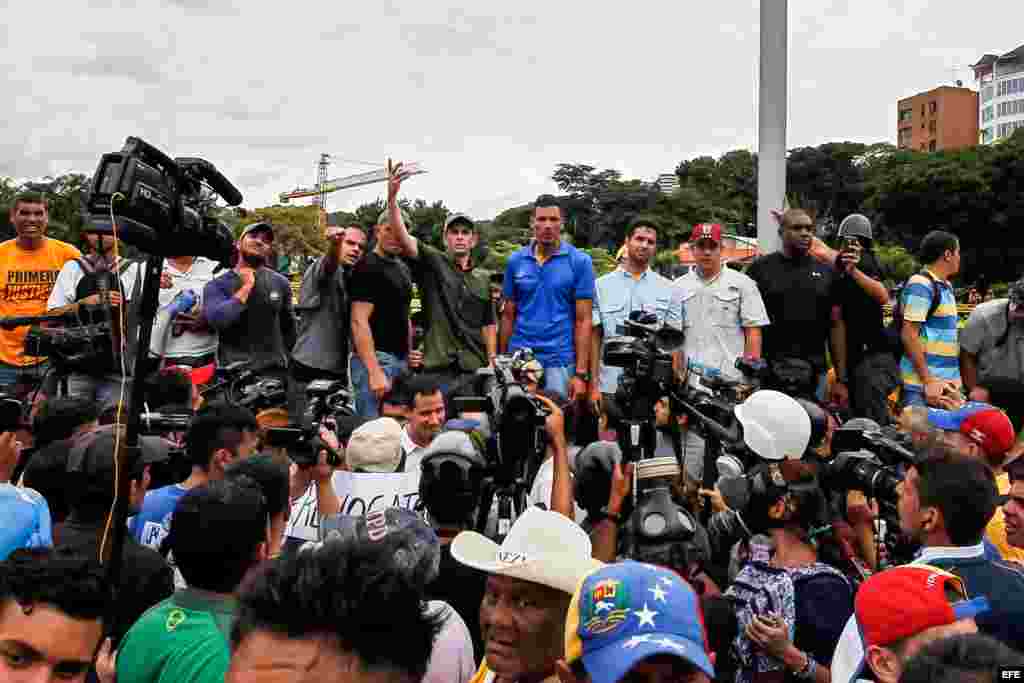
point(296, 229)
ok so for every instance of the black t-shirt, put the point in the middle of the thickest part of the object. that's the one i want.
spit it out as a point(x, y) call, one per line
point(798, 294)
point(865, 326)
point(463, 588)
point(387, 284)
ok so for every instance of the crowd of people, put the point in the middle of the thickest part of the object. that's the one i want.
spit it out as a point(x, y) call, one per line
point(374, 548)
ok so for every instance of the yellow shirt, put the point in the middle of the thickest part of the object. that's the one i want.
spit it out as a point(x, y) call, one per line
point(996, 529)
point(26, 278)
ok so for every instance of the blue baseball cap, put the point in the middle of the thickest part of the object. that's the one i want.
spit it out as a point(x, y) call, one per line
point(984, 424)
point(626, 612)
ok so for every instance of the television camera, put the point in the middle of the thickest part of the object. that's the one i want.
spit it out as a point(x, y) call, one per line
point(517, 438)
point(644, 351)
point(326, 400)
point(163, 207)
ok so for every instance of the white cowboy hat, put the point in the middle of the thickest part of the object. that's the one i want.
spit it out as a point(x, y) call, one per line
point(541, 547)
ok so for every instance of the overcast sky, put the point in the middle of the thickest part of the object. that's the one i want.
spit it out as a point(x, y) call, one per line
point(488, 95)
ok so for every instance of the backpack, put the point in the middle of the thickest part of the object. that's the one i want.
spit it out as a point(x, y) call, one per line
point(96, 279)
point(895, 328)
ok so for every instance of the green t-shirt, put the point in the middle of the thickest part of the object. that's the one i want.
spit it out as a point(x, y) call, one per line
point(184, 639)
point(456, 306)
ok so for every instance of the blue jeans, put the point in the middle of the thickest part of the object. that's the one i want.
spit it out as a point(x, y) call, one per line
point(19, 381)
point(366, 402)
point(557, 378)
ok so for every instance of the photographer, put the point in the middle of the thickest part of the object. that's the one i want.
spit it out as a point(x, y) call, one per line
point(873, 371)
point(84, 280)
point(451, 488)
point(312, 492)
point(791, 608)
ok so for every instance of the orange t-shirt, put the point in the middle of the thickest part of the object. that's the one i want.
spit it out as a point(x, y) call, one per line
point(26, 278)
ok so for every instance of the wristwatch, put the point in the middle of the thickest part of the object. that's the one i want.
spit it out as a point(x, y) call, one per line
point(585, 376)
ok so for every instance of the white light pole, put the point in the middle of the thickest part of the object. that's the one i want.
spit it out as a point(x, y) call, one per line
point(771, 121)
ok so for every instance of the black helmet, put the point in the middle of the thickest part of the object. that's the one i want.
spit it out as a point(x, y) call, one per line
point(593, 480)
point(453, 469)
point(855, 225)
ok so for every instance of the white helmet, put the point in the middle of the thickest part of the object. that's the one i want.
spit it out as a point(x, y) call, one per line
point(775, 426)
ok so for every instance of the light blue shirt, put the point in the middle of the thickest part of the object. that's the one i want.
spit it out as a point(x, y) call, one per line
point(24, 520)
point(617, 294)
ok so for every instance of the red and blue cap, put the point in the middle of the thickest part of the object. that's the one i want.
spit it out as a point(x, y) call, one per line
point(626, 612)
point(984, 424)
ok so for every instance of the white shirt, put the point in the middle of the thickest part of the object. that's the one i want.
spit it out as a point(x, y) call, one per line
point(63, 292)
point(188, 343)
point(451, 659)
point(543, 484)
point(717, 311)
point(413, 455)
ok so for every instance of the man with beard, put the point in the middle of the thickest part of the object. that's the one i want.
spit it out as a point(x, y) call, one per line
point(321, 350)
point(29, 265)
point(461, 332)
point(102, 276)
point(633, 286)
point(801, 299)
point(251, 307)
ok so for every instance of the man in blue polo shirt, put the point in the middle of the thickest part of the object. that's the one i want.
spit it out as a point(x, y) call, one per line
point(549, 292)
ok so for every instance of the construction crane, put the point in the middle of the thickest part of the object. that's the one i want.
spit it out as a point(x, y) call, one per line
point(324, 186)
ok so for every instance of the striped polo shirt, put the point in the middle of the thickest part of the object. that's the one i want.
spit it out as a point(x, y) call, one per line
point(938, 333)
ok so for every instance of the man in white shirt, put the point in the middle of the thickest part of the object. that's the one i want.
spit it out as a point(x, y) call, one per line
point(724, 317)
point(184, 338)
point(84, 280)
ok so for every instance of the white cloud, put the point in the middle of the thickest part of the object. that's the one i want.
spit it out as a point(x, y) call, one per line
point(488, 96)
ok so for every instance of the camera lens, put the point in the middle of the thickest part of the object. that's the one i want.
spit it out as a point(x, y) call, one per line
point(654, 524)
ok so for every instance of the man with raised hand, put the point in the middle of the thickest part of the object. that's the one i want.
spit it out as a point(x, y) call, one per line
point(461, 332)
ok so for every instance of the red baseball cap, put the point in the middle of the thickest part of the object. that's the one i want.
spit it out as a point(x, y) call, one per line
point(903, 601)
point(707, 231)
point(984, 424)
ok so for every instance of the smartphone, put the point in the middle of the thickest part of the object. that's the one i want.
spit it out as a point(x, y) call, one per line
point(10, 414)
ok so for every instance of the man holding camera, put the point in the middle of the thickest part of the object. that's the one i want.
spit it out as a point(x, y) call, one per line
point(29, 265)
point(724, 316)
point(873, 373)
point(631, 287)
point(102, 277)
point(321, 350)
point(461, 332)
